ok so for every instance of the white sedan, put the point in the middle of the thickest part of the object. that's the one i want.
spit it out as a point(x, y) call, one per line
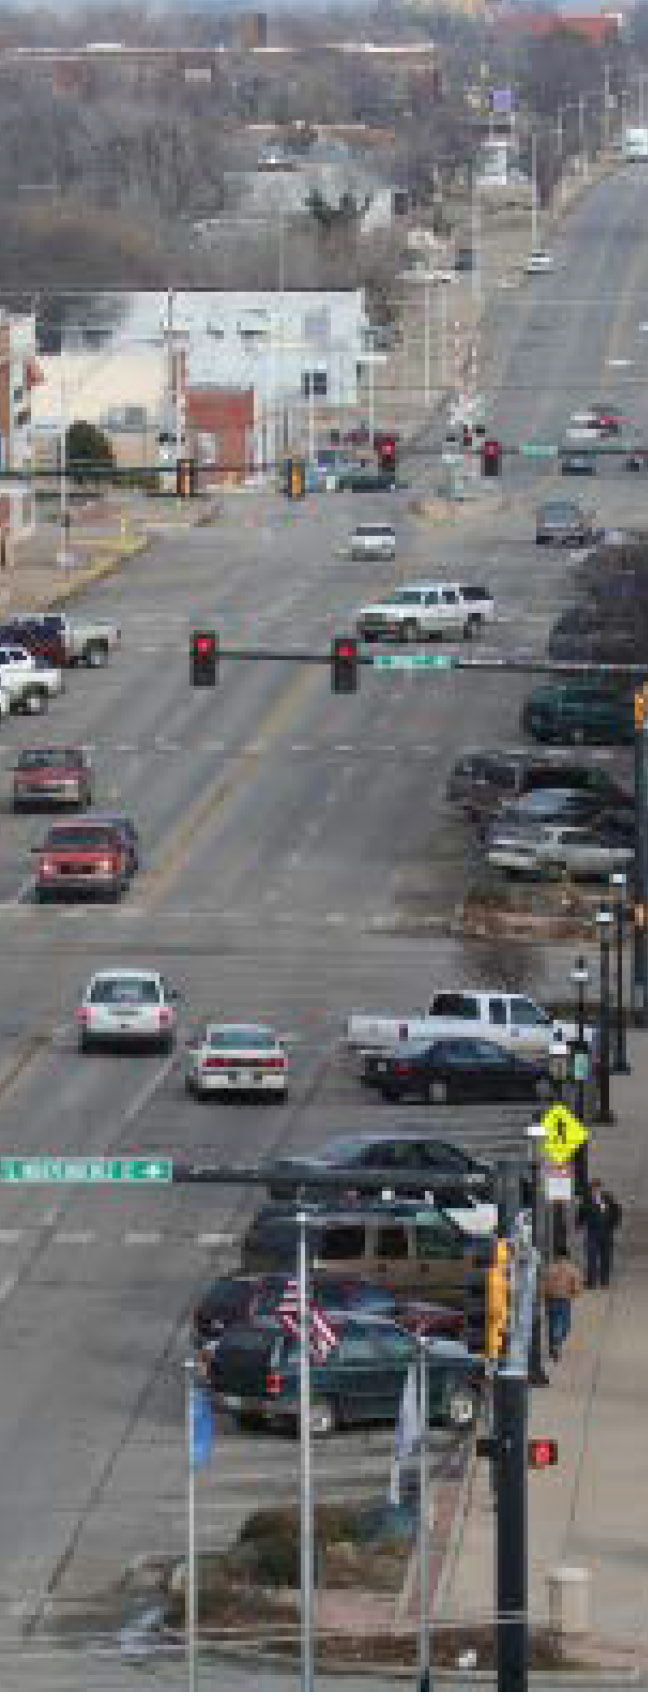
point(127, 1006)
point(539, 261)
point(236, 1058)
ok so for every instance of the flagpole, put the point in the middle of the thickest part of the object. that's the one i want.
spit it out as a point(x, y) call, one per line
point(306, 1491)
point(190, 1588)
point(425, 1674)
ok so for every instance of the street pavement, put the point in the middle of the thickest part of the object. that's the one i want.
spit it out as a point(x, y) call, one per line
point(292, 839)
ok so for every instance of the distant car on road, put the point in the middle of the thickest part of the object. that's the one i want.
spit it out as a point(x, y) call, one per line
point(256, 1376)
point(483, 779)
point(83, 858)
point(539, 261)
point(367, 479)
point(236, 1059)
point(128, 1007)
point(563, 523)
point(373, 541)
point(458, 1069)
point(52, 777)
point(419, 611)
point(577, 461)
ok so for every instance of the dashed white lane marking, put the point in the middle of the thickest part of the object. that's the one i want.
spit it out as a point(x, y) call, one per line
point(11, 1236)
point(142, 1239)
point(7, 1285)
point(73, 1239)
point(215, 1239)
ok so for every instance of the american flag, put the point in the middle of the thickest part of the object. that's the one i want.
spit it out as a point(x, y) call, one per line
point(323, 1335)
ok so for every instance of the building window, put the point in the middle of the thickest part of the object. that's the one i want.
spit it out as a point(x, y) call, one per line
point(319, 380)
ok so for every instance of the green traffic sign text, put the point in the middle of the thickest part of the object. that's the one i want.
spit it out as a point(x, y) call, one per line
point(413, 662)
point(76, 1169)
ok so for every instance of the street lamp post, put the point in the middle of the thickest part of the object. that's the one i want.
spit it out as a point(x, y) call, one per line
point(537, 1374)
point(619, 883)
point(580, 978)
point(604, 923)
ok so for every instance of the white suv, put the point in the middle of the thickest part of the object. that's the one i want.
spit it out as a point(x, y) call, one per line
point(422, 610)
point(373, 541)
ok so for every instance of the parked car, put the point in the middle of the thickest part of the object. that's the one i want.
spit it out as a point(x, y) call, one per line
point(481, 780)
point(577, 460)
point(582, 633)
point(256, 1376)
point(589, 710)
point(419, 611)
point(367, 479)
point(83, 857)
point(373, 541)
point(414, 1249)
point(405, 1155)
point(552, 850)
point(559, 805)
point(129, 1007)
point(241, 1059)
point(458, 1069)
point(242, 1297)
point(52, 777)
point(514, 1021)
point(564, 523)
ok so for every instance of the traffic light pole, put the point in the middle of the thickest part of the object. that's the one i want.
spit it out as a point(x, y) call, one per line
point(512, 1631)
point(640, 927)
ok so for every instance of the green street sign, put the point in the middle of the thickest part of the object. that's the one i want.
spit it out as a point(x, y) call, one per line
point(45, 1169)
point(413, 662)
point(538, 450)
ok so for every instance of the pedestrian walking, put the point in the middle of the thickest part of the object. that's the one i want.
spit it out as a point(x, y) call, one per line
point(600, 1216)
point(561, 1282)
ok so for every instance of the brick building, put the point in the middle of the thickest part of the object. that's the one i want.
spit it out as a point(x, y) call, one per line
point(220, 427)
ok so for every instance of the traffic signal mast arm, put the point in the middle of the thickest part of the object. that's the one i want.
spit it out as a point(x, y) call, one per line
point(480, 663)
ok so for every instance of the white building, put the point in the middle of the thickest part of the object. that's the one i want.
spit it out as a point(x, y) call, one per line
point(18, 375)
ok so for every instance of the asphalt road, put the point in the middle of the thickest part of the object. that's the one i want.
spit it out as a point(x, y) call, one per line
point(291, 839)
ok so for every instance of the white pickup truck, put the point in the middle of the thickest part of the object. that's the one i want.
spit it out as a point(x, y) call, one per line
point(89, 642)
point(26, 683)
point(420, 611)
point(512, 1020)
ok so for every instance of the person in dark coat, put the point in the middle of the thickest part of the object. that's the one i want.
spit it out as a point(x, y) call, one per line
point(600, 1216)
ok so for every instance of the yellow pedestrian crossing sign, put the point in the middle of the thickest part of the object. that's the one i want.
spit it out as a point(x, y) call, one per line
point(564, 1134)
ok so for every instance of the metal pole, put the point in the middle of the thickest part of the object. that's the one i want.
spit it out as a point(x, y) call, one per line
point(306, 1490)
point(311, 419)
point(371, 402)
point(425, 1672)
point(620, 1046)
point(64, 515)
point(606, 109)
point(605, 1114)
point(426, 332)
point(537, 1374)
point(443, 303)
point(581, 135)
point(581, 1174)
point(510, 1391)
point(640, 926)
point(190, 1592)
point(534, 193)
point(476, 246)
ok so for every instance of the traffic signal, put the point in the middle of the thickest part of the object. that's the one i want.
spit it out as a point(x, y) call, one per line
point(386, 448)
point(204, 659)
point(542, 1452)
point(491, 458)
point(344, 665)
point(498, 1300)
point(185, 477)
point(486, 1299)
point(295, 479)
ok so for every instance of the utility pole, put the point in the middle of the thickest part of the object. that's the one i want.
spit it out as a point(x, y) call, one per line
point(510, 1437)
point(606, 105)
point(534, 193)
point(640, 926)
point(306, 1484)
point(581, 135)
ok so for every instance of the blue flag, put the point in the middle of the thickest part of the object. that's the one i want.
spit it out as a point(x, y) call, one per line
point(203, 1426)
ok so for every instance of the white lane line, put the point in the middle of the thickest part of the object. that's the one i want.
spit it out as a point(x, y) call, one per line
point(215, 1239)
point(73, 1239)
point(7, 1285)
point(141, 1239)
point(12, 1236)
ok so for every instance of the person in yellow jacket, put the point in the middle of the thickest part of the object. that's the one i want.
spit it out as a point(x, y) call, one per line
point(561, 1282)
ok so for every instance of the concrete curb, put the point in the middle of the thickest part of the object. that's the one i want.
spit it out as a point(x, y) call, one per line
point(95, 572)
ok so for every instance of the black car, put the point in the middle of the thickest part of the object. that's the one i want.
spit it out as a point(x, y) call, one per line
point(578, 462)
point(583, 633)
point(241, 1298)
point(358, 1380)
point(560, 804)
point(400, 1154)
point(481, 780)
point(367, 479)
point(459, 1069)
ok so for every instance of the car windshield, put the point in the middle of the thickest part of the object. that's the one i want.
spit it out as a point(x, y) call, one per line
point(219, 1036)
point(31, 757)
point(115, 992)
point(556, 513)
point(406, 597)
point(80, 836)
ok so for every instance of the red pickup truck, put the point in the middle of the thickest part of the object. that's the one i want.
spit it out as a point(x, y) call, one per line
point(52, 777)
point(82, 858)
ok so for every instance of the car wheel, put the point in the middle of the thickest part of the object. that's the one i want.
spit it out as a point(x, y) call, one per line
point(35, 701)
point(461, 1408)
point(96, 655)
point(388, 1093)
point(472, 627)
point(42, 894)
point(437, 1091)
point(410, 631)
point(191, 1086)
point(322, 1418)
point(166, 1043)
point(84, 1042)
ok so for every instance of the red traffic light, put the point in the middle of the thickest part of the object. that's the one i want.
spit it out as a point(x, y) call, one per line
point(492, 448)
point(204, 656)
point(543, 1452)
point(344, 668)
point(205, 645)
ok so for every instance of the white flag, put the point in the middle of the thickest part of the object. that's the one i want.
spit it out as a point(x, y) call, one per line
point(408, 1430)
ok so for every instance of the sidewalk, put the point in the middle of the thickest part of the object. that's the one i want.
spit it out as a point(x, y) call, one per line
point(590, 1511)
point(102, 536)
